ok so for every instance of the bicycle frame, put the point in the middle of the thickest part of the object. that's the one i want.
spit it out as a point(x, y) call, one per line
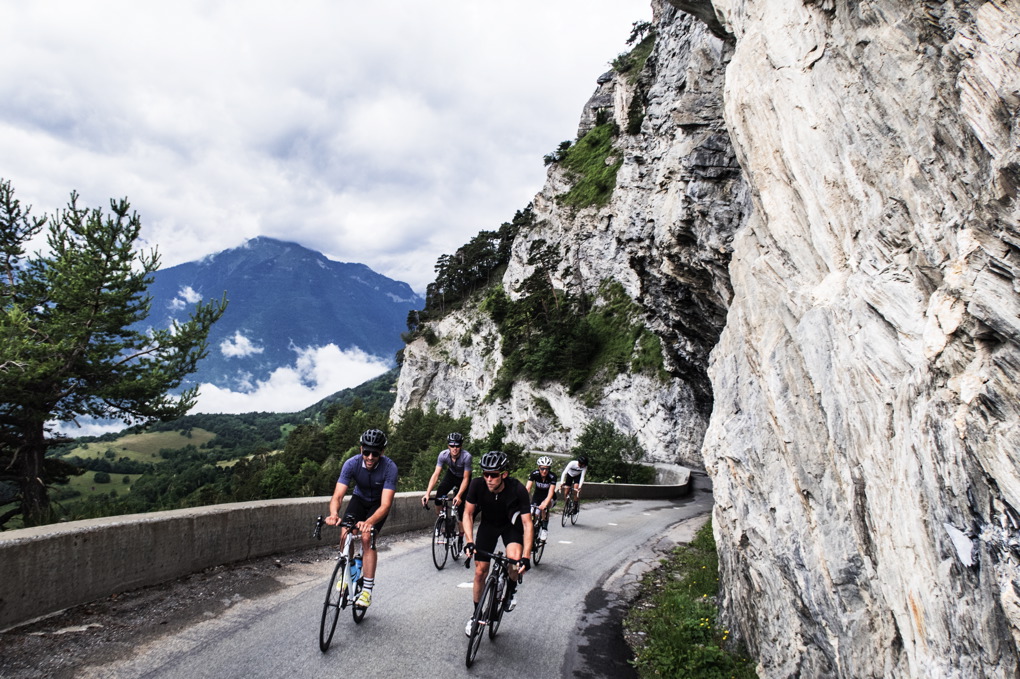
point(445, 534)
point(344, 586)
point(489, 611)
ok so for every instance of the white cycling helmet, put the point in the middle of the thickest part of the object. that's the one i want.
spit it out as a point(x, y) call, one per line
point(545, 461)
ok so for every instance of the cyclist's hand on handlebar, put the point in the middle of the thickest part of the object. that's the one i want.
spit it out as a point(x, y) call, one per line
point(425, 501)
point(332, 520)
point(469, 549)
point(456, 500)
point(523, 564)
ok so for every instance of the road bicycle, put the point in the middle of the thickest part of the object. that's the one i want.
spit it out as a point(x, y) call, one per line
point(492, 604)
point(346, 581)
point(446, 538)
point(570, 509)
point(538, 543)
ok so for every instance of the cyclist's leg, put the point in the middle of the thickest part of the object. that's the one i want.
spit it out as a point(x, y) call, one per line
point(485, 540)
point(513, 539)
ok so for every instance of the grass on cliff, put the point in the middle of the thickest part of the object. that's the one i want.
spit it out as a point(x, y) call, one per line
point(592, 164)
point(672, 626)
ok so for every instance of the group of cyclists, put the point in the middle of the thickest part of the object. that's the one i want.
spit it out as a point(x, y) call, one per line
point(504, 503)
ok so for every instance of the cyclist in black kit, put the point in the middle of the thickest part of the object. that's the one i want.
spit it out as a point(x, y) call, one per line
point(506, 514)
point(544, 494)
point(458, 474)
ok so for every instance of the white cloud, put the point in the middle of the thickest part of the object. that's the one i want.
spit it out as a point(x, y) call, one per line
point(188, 294)
point(239, 346)
point(317, 373)
point(381, 133)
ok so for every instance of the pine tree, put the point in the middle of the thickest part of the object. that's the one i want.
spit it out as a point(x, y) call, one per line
point(70, 344)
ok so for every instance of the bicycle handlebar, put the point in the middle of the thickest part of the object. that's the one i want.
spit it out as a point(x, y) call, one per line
point(498, 556)
point(348, 522)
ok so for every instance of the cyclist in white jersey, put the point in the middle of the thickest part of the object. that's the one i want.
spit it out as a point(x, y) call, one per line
point(573, 477)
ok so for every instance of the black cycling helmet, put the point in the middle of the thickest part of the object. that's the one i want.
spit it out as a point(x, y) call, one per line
point(374, 439)
point(495, 461)
point(455, 439)
point(583, 460)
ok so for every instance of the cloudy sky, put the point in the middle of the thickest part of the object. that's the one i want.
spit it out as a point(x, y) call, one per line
point(386, 133)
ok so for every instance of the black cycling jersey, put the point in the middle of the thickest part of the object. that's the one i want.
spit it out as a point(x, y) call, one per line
point(542, 483)
point(503, 508)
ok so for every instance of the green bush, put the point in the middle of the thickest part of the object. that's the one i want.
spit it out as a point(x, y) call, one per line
point(612, 455)
point(675, 616)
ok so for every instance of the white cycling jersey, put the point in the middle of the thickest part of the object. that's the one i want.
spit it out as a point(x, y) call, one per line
point(575, 470)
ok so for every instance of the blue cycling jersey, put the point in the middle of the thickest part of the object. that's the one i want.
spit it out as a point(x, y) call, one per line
point(369, 484)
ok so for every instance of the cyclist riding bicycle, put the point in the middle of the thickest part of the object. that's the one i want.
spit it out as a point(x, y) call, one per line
point(544, 494)
point(458, 475)
point(375, 483)
point(573, 477)
point(506, 514)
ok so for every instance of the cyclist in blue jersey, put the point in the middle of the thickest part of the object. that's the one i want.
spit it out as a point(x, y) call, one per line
point(458, 475)
point(374, 477)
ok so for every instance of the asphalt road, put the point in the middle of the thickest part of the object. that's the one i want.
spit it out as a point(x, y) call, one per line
point(566, 623)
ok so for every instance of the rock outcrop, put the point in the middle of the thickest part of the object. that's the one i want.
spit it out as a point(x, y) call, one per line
point(819, 219)
point(665, 237)
point(865, 440)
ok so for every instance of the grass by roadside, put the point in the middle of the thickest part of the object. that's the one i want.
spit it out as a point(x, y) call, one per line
point(672, 626)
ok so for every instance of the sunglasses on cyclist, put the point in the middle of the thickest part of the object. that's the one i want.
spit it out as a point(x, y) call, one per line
point(492, 475)
point(369, 452)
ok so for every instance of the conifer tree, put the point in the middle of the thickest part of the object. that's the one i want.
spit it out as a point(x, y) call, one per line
point(70, 343)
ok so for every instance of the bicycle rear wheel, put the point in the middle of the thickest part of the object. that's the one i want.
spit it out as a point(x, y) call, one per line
point(439, 546)
point(481, 621)
point(454, 542)
point(335, 600)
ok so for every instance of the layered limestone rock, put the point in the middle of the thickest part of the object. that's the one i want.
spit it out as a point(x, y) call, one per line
point(864, 433)
point(865, 440)
point(665, 236)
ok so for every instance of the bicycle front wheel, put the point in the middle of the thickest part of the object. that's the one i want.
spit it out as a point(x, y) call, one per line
point(575, 511)
point(537, 550)
point(335, 599)
point(439, 546)
point(566, 511)
point(480, 620)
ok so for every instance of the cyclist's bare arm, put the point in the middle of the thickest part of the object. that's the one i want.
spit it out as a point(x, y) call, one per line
point(334, 504)
point(432, 484)
point(463, 488)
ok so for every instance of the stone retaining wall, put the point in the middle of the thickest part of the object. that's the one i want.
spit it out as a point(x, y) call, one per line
point(50, 568)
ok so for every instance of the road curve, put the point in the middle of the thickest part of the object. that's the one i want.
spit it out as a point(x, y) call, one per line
point(415, 626)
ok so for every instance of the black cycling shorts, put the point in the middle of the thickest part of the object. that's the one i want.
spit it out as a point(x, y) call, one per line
point(450, 482)
point(487, 535)
point(361, 510)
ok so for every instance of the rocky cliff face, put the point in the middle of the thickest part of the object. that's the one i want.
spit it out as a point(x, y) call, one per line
point(822, 197)
point(865, 440)
point(665, 236)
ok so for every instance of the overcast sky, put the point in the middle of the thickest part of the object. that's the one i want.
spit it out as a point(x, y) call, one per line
point(386, 133)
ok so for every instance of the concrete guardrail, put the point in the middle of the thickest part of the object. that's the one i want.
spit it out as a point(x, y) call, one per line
point(49, 568)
